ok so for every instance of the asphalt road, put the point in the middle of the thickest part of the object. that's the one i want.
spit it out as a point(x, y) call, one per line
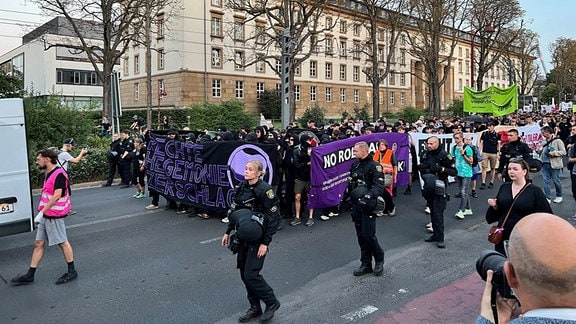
point(138, 266)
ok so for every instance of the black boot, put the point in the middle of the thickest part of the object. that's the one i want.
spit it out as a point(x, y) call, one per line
point(252, 312)
point(364, 269)
point(269, 312)
point(408, 190)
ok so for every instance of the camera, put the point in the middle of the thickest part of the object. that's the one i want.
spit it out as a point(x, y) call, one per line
point(492, 260)
point(88, 151)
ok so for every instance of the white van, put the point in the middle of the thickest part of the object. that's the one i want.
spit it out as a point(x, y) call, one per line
point(15, 194)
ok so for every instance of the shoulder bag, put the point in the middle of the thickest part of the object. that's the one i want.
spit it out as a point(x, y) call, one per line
point(495, 235)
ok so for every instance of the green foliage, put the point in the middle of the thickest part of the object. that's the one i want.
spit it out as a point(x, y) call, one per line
point(315, 113)
point(270, 104)
point(230, 114)
point(361, 113)
point(456, 108)
point(549, 92)
point(411, 114)
point(10, 87)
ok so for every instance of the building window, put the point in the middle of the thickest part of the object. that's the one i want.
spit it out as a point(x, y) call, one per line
point(356, 96)
point(380, 35)
point(161, 88)
point(312, 93)
point(278, 66)
point(380, 97)
point(328, 45)
point(93, 78)
point(356, 29)
point(402, 79)
point(467, 64)
point(297, 92)
point(343, 27)
point(239, 61)
point(342, 72)
point(342, 95)
point(328, 23)
point(238, 30)
point(392, 78)
point(216, 88)
point(460, 84)
point(239, 89)
point(328, 70)
point(259, 89)
point(459, 51)
point(136, 91)
point(260, 33)
point(216, 57)
point(126, 66)
point(313, 69)
point(343, 48)
point(260, 64)
point(403, 57)
point(328, 94)
point(77, 77)
point(402, 98)
point(136, 64)
point(160, 27)
point(356, 73)
point(297, 71)
point(391, 99)
point(160, 59)
point(356, 50)
point(216, 27)
point(380, 53)
point(216, 3)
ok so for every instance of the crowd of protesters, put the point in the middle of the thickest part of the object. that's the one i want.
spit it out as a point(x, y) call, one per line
point(295, 144)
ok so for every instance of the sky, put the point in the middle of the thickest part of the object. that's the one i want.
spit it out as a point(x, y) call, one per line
point(550, 19)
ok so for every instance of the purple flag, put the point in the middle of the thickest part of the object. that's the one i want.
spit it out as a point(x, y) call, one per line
point(330, 165)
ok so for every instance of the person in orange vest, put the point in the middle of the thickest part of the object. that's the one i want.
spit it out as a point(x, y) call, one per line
point(53, 208)
point(389, 163)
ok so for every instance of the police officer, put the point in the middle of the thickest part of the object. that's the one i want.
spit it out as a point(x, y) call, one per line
point(113, 157)
point(435, 166)
point(258, 196)
point(513, 149)
point(126, 148)
point(366, 184)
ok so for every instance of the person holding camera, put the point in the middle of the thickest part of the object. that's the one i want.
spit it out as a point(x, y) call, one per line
point(255, 216)
point(515, 200)
point(539, 273)
point(366, 184)
point(435, 167)
point(64, 156)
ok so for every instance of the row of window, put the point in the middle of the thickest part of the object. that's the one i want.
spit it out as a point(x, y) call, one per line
point(77, 77)
point(161, 57)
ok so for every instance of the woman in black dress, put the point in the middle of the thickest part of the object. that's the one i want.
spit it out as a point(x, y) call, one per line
point(530, 200)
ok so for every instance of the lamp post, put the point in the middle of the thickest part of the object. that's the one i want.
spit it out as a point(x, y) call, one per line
point(487, 29)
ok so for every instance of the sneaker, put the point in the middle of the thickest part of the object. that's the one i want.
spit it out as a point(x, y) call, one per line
point(324, 217)
point(22, 280)
point(441, 245)
point(203, 215)
point(474, 194)
point(68, 276)
point(483, 186)
point(427, 210)
point(468, 211)
point(136, 194)
point(225, 220)
point(181, 211)
point(72, 212)
point(140, 195)
point(429, 228)
point(490, 185)
point(331, 214)
point(295, 221)
point(557, 200)
point(151, 207)
point(310, 222)
point(393, 212)
point(460, 214)
point(549, 201)
point(380, 214)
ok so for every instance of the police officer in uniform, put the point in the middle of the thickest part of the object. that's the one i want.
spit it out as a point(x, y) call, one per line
point(126, 147)
point(113, 157)
point(513, 149)
point(259, 199)
point(435, 166)
point(366, 184)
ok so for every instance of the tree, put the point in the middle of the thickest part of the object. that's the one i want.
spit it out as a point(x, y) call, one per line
point(303, 20)
point(109, 19)
point(391, 14)
point(10, 86)
point(564, 61)
point(269, 104)
point(495, 27)
point(437, 25)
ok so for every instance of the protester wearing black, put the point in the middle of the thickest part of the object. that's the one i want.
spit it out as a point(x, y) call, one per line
point(366, 184)
point(126, 156)
point(113, 157)
point(258, 197)
point(435, 167)
point(513, 149)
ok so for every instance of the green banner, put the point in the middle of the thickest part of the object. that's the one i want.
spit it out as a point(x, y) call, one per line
point(493, 100)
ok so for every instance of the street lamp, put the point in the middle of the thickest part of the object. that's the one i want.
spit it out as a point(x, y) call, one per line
point(487, 29)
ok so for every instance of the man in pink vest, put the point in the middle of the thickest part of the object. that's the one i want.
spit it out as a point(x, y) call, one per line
point(53, 208)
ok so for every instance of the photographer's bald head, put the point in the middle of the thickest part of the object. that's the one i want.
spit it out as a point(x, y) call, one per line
point(541, 267)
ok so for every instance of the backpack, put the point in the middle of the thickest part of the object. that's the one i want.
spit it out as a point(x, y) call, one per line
point(476, 155)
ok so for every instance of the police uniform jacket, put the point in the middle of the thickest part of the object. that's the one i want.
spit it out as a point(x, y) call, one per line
point(437, 162)
point(512, 150)
point(369, 173)
point(259, 198)
point(127, 145)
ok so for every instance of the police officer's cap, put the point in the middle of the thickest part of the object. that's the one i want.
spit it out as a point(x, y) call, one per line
point(247, 229)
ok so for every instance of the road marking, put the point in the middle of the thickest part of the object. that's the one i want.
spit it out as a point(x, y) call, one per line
point(211, 240)
point(111, 219)
point(359, 314)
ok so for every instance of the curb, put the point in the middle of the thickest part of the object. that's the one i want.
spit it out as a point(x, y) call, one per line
point(78, 186)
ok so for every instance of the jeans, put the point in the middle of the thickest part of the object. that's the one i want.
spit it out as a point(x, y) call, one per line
point(551, 175)
point(463, 186)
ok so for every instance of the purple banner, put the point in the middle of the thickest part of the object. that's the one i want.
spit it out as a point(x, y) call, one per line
point(330, 165)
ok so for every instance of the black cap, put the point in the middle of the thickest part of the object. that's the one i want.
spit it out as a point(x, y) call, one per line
point(69, 141)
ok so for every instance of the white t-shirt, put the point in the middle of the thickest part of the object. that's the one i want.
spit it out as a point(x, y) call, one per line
point(64, 159)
